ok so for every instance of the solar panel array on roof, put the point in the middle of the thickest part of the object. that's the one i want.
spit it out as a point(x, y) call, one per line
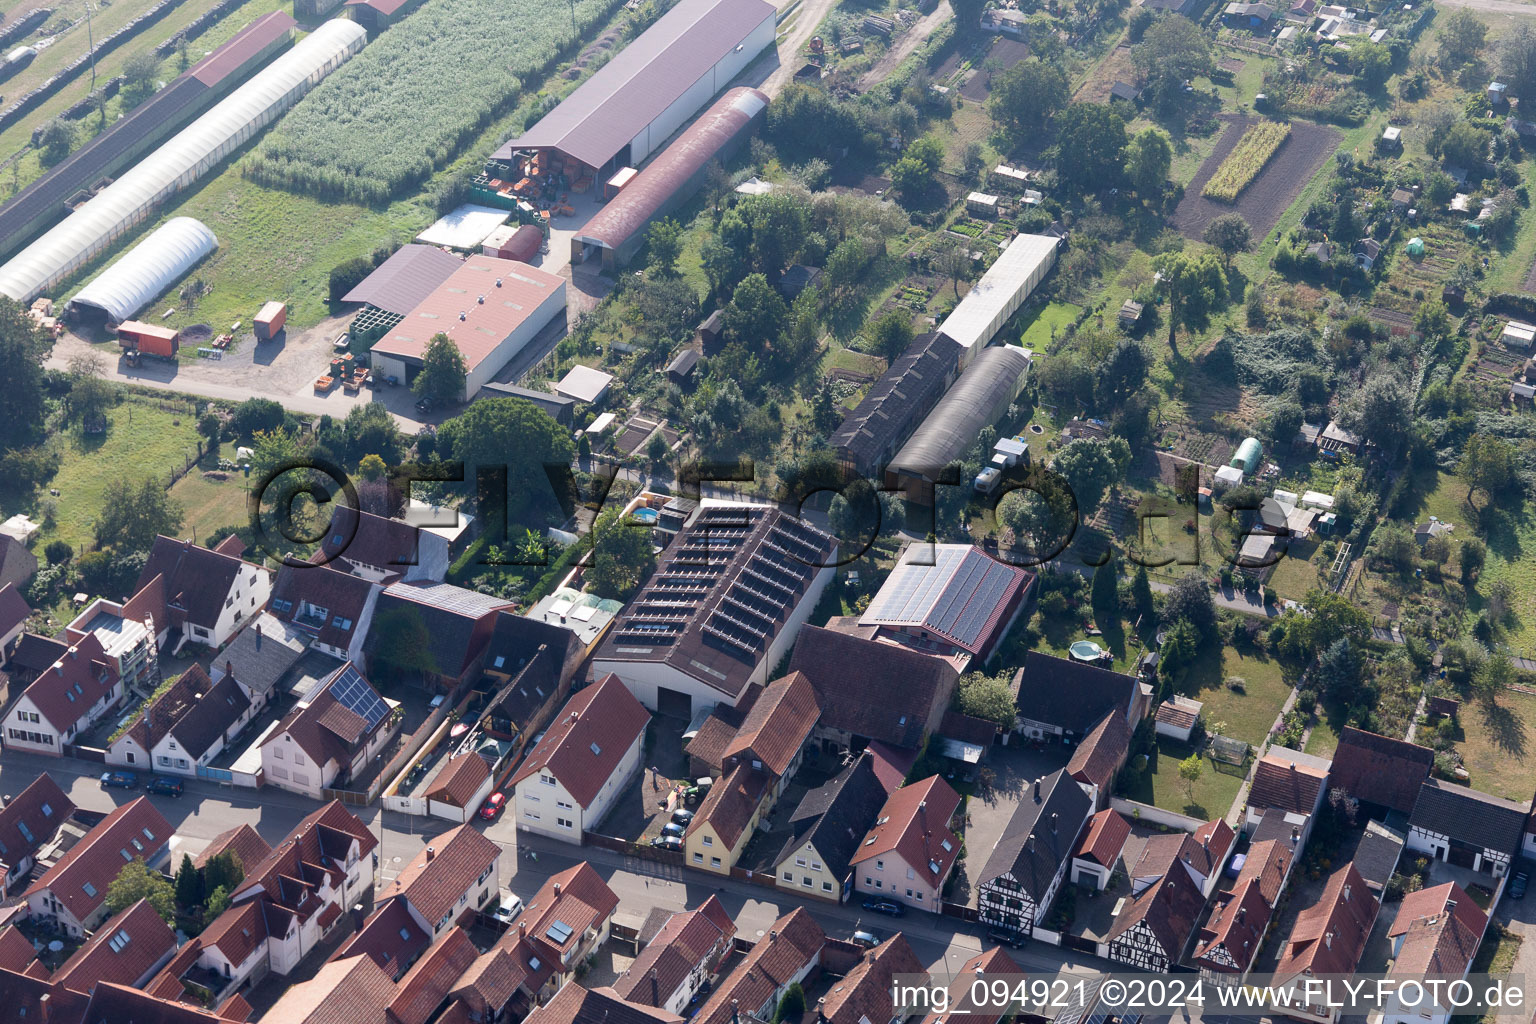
point(354, 693)
point(956, 593)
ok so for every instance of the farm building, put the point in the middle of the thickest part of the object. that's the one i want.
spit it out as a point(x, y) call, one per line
point(634, 103)
point(400, 283)
point(981, 204)
point(157, 341)
point(465, 228)
point(979, 397)
point(904, 394)
point(47, 200)
point(618, 230)
point(194, 151)
point(521, 242)
point(999, 294)
point(1518, 335)
point(146, 270)
point(490, 308)
point(270, 320)
point(377, 15)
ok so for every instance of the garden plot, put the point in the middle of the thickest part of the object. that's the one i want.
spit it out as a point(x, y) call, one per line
point(1275, 187)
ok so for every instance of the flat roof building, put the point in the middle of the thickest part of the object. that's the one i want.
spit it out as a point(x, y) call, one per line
point(999, 294)
point(490, 308)
point(634, 103)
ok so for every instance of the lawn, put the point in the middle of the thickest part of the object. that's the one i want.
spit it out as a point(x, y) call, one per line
point(144, 438)
point(1295, 574)
point(1247, 712)
point(1497, 745)
point(211, 505)
point(1162, 786)
point(1059, 632)
point(1324, 739)
point(1048, 324)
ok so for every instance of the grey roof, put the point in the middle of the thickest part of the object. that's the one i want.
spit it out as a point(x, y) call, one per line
point(449, 616)
point(1469, 817)
point(1031, 849)
point(646, 78)
point(262, 653)
point(684, 363)
point(1070, 694)
point(1376, 856)
point(885, 418)
point(834, 816)
point(210, 717)
point(557, 407)
point(402, 282)
point(978, 397)
point(954, 590)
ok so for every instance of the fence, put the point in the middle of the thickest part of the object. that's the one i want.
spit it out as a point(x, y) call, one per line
point(89, 754)
point(1046, 936)
point(215, 774)
point(960, 910)
point(1155, 815)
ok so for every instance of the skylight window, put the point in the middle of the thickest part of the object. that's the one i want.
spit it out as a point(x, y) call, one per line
point(119, 941)
point(597, 749)
point(90, 890)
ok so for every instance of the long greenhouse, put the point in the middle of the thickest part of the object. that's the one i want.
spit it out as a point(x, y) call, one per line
point(146, 270)
point(131, 199)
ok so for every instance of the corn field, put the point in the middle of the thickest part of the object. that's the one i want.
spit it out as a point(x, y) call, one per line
point(417, 96)
point(1246, 160)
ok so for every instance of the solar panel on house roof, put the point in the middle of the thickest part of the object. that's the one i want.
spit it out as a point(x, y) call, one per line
point(560, 932)
point(352, 692)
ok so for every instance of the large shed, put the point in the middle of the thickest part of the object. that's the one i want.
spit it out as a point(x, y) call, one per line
point(400, 283)
point(194, 151)
point(491, 309)
point(634, 103)
point(979, 397)
point(999, 294)
point(144, 271)
point(618, 230)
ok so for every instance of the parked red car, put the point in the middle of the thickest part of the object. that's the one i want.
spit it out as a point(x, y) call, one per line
point(492, 806)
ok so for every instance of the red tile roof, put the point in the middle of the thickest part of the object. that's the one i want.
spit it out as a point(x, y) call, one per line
point(16, 952)
point(238, 932)
point(317, 848)
point(425, 986)
point(1104, 838)
point(1236, 928)
point(115, 1004)
point(891, 764)
point(13, 608)
point(41, 808)
point(584, 746)
point(1102, 751)
point(1203, 850)
point(25, 995)
point(914, 824)
point(123, 951)
point(459, 779)
point(688, 939)
point(1330, 935)
point(731, 803)
point(1169, 907)
point(1179, 712)
point(1441, 928)
point(1281, 782)
point(991, 963)
point(794, 941)
point(197, 580)
point(576, 897)
point(1267, 864)
point(576, 1005)
point(390, 936)
point(242, 840)
point(452, 865)
point(352, 991)
point(495, 976)
point(778, 725)
point(136, 830)
point(71, 686)
point(343, 596)
point(1379, 769)
point(235, 1007)
point(864, 993)
point(155, 720)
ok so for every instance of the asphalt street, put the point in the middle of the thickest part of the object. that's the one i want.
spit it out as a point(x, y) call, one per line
point(208, 809)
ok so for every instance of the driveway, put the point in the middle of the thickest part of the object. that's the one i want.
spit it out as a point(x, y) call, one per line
point(905, 46)
point(1519, 916)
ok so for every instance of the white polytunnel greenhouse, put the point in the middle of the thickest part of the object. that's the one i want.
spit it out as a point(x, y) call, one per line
point(187, 156)
point(146, 270)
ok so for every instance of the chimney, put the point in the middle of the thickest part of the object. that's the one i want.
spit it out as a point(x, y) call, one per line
point(655, 988)
point(258, 636)
point(773, 936)
point(821, 1005)
point(1346, 892)
point(735, 1013)
point(430, 854)
point(229, 667)
point(1037, 791)
point(359, 915)
point(1295, 835)
point(522, 928)
point(557, 890)
point(45, 1005)
point(1293, 766)
point(1053, 823)
point(1328, 940)
point(1242, 912)
point(1030, 844)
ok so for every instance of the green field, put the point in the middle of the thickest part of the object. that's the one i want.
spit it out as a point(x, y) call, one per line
point(210, 505)
point(1048, 324)
point(143, 439)
point(1498, 745)
point(1248, 714)
point(1162, 786)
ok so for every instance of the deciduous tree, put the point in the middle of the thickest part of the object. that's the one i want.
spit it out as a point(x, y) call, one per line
point(136, 882)
point(1090, 146)
point(441, 377)
point(1148, 158)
